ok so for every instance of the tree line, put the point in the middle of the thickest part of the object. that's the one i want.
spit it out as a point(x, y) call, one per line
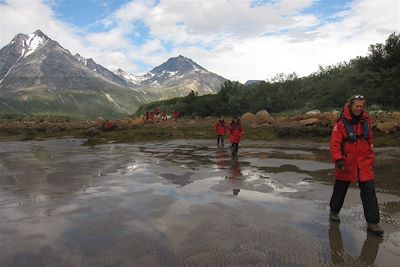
point(375, 76)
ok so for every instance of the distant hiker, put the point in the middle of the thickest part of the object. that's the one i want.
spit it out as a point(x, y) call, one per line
point(351, 148)
point(151, 116)
point(108, 126)
point(220, 130)
point(156, 111)
point(176, 114)
point(164, 116)
point(235, 134)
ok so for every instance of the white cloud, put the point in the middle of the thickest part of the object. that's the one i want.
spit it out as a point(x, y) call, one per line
point(193, 21)
point(117, 59)
point(112, 40)
point(152, 46)
point(134, 10)
point(316, 43)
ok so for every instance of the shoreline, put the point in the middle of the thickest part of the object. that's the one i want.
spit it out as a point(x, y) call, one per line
point(199, 128)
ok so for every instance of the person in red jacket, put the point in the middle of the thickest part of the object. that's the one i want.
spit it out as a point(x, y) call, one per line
point(351, 148)
point(235, 134)
point(220, 130)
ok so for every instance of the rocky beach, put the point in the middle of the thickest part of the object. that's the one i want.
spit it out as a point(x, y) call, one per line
point(312, 126)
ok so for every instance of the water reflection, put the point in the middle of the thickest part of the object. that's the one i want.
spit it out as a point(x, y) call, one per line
point(145, 204)
point(236, 177)
point(221, 159)
point(340, 257)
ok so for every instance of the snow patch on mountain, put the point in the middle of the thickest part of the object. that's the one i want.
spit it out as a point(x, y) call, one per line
point(135, 79)
point(154, 83)
point(33, 43)
point(115, 103)
point(81, 59)
point(9, 70)
point(62, 100)
point(169, 73)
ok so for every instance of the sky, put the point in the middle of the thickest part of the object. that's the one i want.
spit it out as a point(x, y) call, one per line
point(238, 39)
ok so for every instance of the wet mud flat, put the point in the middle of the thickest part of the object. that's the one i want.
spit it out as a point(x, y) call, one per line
point(186, 203)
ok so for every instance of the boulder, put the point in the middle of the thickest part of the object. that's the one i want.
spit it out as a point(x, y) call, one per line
point(396, 116)
point(336, 115)
point(328, 118)
point(92, 131)
point(264, 117)
point(122, 123)
point(248, 119)
point(136, 122)
point(99, 123)
point(313, 112)
point(387, 127)
point(310, 121)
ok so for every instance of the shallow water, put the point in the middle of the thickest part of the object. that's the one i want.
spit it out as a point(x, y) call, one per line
point(186, 203)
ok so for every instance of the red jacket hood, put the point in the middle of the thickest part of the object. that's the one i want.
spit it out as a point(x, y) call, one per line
point(347, 115)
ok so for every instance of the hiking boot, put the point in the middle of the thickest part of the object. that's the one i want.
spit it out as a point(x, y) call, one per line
point(375, 228)
point(334, 217)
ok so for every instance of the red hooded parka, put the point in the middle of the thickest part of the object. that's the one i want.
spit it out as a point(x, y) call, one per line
point(235, 133)
point(358, 156)
point(220, 128)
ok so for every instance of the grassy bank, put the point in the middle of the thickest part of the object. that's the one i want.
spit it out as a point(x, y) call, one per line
point(184, 129)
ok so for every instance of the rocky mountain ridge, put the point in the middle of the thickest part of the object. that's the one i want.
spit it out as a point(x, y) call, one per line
point(39, 76)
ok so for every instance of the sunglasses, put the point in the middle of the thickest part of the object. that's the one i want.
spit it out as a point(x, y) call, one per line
point(357, 97)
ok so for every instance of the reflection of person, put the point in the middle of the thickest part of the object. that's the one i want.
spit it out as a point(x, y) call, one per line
point(351, 147)
point(220, 130)
point(338, 256)
point(221, 161)
point(235, 134)
point(236, 178)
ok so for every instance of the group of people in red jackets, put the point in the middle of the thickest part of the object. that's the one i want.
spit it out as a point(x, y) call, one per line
point(157, 115)
point(352, 151)
point(234, 131)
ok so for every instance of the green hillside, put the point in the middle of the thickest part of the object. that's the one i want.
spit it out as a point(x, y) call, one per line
point(376, 76)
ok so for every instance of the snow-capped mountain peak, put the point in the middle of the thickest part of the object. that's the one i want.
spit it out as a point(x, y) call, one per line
point(34, 41)
point(132, 78)
point(176, 72)
point(176, 65)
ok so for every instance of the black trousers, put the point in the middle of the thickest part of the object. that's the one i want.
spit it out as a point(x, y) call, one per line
point(220, 138)
point(368, 198)
point(234, 148)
